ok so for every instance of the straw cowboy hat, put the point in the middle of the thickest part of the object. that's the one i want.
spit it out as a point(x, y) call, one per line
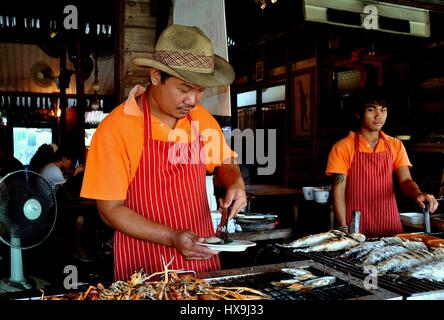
point(187, 53)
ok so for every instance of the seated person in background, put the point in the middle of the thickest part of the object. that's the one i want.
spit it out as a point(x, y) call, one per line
point(43, 156)
point(57, 173)
point(54, 170)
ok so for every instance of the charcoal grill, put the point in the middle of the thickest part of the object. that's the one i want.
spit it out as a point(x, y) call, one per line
point(346, 287)
point(408, 288)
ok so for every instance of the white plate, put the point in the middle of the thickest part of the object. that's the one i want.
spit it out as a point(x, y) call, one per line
point(412, 217)
point(235, 246)
point(256, 216)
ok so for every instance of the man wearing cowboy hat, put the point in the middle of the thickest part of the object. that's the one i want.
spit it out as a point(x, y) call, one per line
point(156, 204)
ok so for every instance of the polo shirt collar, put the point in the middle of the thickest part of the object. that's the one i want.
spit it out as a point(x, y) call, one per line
point(131, 107)
point(381, 134)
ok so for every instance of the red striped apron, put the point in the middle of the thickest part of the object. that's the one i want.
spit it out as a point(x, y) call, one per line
point(370, 190)
point(173, 194)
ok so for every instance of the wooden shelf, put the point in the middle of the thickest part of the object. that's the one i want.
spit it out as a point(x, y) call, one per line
point(426, 147)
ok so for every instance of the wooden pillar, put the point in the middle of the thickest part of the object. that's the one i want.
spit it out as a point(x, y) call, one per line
point(63, 83)
point(80, 128)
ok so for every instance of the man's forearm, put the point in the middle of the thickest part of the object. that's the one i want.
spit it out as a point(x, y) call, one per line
point(125, 220)
point(228, 175)
point(339, 204)
point(410, 189)
point(339, 210)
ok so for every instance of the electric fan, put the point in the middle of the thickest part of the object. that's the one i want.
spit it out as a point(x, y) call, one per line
point(28, 212)
point(42, 74)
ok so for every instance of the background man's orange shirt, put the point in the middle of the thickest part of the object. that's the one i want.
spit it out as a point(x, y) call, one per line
point(116, 147)
point(341, 155)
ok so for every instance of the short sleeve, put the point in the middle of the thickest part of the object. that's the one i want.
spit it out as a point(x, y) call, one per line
point(339, 159)
point(107, 169)
point(400, 157)
point(215, 149)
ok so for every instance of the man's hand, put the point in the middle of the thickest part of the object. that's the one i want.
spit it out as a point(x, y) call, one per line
point(229, 177)
point(236, 198)
point(79, 169)
point(186, 243)
point(423, 197)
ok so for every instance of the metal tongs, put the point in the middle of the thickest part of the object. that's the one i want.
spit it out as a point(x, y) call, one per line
point(426, 212)
point(222, 228)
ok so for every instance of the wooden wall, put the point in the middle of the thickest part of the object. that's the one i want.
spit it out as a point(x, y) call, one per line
point(137, 31)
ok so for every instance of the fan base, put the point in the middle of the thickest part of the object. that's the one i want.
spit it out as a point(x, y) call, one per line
point(31, 283)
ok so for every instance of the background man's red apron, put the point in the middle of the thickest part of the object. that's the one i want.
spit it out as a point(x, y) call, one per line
point(370, 190)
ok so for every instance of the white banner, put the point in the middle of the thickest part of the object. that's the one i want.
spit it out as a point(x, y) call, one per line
point(208, 15)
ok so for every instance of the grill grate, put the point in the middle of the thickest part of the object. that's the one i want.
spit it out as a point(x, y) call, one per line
point(395, 283)
point(339, 290)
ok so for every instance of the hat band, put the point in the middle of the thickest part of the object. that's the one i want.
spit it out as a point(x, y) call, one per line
point(185, 61)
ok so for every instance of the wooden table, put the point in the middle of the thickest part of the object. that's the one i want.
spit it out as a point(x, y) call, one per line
point(269, 198)
point(270, 190)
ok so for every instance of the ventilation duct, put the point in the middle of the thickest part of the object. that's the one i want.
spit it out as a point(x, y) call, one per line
point(372, 15)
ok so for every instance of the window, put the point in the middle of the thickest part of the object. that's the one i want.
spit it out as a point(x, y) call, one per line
point(88, 136)
point(28, 140)
point(273, 94)
point(246, 99)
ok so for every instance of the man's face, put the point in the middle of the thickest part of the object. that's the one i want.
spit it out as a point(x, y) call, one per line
point(374, 117)
point(176, 97)
point(66, 163)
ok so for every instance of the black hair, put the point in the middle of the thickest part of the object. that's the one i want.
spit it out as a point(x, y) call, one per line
point(361, 99)
point(64, 152)
point(43, 156)
point(164, 76)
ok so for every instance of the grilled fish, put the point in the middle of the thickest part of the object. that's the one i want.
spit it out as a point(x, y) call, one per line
point(391, 241)
point(363, 249)
point(299, 274)
point(404, 261)
point(311, 284)
point(331, 245)
point(320, 282)
point(414, 245)
point(313, 239)
point(383, 253)
point(431, 271)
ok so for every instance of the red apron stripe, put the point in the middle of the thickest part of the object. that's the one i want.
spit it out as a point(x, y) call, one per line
point(370, 190)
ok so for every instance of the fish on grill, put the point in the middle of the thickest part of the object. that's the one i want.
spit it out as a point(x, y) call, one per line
point(343, 243)
point(391, 241)
point(312, 284)
point(313, 239)
point(404, 261)
point(363, 249)
point(359, 252)
point(388, 251)
point(299, 273)
point(414, 245)
point(380, 254)
point(433, 271)
point(320, 282)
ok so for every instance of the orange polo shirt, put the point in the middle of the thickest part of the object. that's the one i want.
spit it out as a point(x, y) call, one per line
point(341, 155)
point(116, 147)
